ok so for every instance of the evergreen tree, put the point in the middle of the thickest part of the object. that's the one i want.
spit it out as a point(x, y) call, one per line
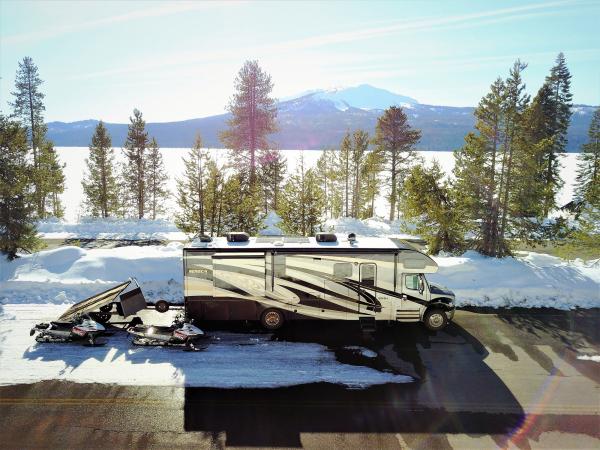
point(395, 141)
point(302, 202)
point(587, 184)
point(344, 171)
point(17, 226)
point(427, 199)
point(157, 179)
point(559, 84)
point(50, 181)
point(360, 144)
point(100, 183)
point(240, 206)
point(214, 193)
point(271, 169)
point(28, 104)
point(253, 118)
point(135, 149)
point(329, 181)
point(371, 183)
point(192, 191)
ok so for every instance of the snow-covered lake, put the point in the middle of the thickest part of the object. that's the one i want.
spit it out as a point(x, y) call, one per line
point(74, 159)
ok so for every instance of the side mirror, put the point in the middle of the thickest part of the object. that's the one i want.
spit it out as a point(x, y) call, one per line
point(421, 285)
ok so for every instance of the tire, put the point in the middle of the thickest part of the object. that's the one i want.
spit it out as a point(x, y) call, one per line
point(161, 306)
point(106, 308)
point(272, 319)
point(435, 319)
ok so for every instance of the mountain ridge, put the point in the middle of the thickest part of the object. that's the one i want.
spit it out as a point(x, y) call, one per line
point(318, 120)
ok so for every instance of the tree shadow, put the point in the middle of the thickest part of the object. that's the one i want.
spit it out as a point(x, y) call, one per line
point(454, 392)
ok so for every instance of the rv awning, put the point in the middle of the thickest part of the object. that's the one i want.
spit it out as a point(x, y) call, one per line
point(94, 302)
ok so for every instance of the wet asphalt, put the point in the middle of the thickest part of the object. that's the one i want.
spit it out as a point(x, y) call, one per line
point(492, 379)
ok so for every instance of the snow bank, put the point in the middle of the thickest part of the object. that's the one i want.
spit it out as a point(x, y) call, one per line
point(528, 280)
point(230, 361)
point(70, 274)
point(111, 228)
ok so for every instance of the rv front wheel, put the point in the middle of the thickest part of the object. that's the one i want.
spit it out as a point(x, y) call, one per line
point(271, 319)
point(435, 319)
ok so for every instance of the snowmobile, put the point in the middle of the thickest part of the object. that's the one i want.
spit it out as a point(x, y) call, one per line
point(181, 334)
point(81, 327)
point(86, 320)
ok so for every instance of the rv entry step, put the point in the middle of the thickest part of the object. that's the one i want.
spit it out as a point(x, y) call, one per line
point(367, 324)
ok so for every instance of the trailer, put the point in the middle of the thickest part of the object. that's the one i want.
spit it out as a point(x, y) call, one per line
point(276, 279)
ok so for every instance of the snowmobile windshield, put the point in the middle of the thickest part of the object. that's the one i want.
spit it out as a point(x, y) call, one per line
point(94, 302)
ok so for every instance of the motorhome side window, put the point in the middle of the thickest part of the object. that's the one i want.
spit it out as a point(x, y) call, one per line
point(412, 281)
point(367, 274)
point(342, 270)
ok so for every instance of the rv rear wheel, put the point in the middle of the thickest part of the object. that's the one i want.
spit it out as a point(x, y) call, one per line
point(272, 319)
point(161, 306)
point(435, 319)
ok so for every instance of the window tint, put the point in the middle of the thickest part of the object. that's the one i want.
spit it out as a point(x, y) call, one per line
point(367, 274)
point(412, 282)
point(342, 270)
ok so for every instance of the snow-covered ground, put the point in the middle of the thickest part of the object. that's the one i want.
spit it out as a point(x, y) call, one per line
point(67, 274)
point(231, 360)
point(74, 159)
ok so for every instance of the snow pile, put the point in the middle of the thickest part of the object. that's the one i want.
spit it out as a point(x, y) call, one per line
point(230, 361)
point(594, 358)
point(271, 222)
point(528, 280)
point(70, 274)
point(368, 227)
point(110, 228)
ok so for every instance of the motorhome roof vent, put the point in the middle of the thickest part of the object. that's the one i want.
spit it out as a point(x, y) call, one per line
point(352, 238)
point(203, 238)
point(326, 237)
point(237, 237)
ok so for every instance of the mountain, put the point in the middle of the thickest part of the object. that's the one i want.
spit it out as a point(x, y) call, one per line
point(318, 119)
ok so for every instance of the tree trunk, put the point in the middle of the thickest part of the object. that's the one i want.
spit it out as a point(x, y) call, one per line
point(394, 192)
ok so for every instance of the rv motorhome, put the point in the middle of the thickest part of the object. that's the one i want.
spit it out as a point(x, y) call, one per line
point(274, 279)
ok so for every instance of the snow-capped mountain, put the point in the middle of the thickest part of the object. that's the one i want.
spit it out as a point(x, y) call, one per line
point(318, 119)
point(364, 96)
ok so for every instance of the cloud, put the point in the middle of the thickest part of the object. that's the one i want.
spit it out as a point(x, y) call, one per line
point(314, 42)
point(155, 11)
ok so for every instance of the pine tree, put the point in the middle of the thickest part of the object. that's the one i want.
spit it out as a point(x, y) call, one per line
point(344, 171)
point(100, 183)
point(253, 118)
point(50, 181)
point(395, 141)
point(192, 190)
point(17, 226)
point(271, 168)
point(559, 84)
point(214, 193)
point(329, 181)
point(360, 144)
point(302, 201)
point(427, 200)
point(587, 184)
point(157, 180)
point(240, 206)
point(135, 149)
point(370, 183)
point(28, 104)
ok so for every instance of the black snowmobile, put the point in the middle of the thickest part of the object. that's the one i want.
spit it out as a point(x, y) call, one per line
point(86, 320)
point(181, 334)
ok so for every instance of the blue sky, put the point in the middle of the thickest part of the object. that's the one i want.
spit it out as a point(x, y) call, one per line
point(178, 60)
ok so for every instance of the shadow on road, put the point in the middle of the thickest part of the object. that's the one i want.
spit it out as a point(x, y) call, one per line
point(455, 391)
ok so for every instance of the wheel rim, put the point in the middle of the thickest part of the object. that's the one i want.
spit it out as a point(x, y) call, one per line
point(436, 320)
point(272, 318)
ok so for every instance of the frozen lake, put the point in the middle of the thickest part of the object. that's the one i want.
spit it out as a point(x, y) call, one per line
point(74, 159)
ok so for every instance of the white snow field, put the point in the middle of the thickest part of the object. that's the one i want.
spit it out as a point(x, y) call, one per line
point(230, 361)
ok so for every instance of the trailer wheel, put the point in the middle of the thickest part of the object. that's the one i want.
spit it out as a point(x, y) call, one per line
point(435, 319)
point(272, 319)
point(161, 306)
